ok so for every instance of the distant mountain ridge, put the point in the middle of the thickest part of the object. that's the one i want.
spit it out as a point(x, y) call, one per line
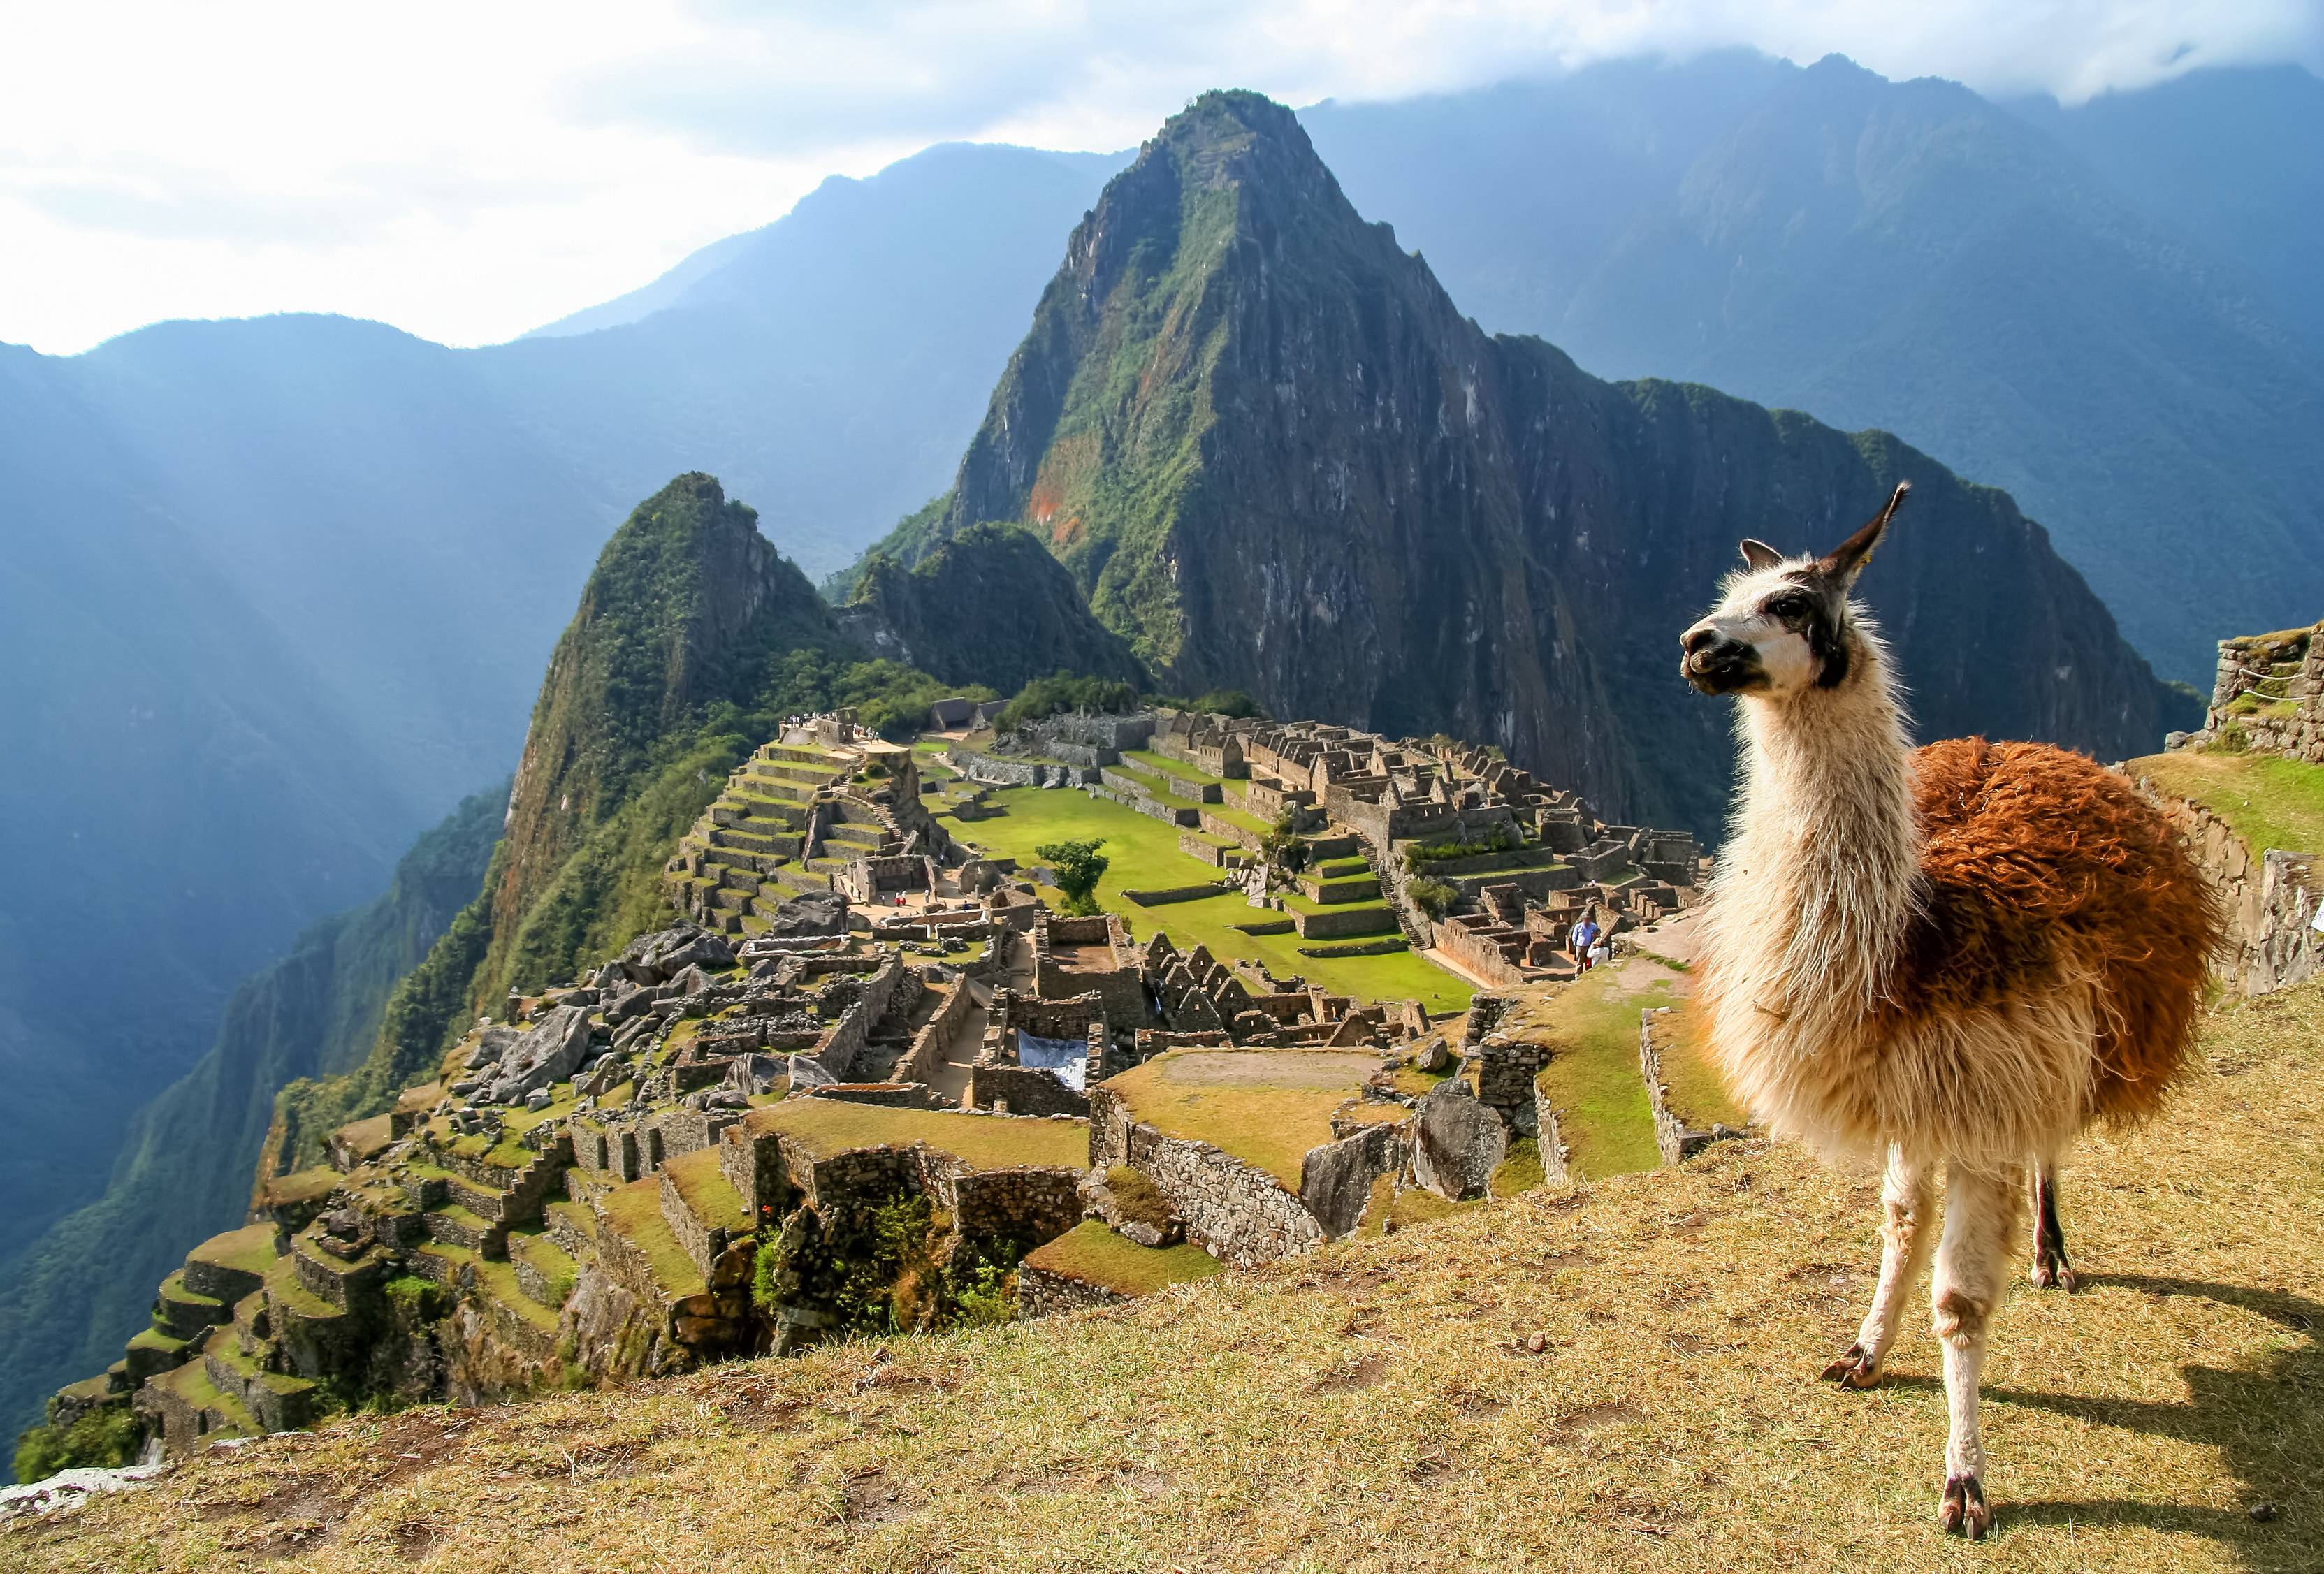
point(1907, 255)
point(1277, 458)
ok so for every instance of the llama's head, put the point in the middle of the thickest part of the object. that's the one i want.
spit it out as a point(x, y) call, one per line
point(1783, 626)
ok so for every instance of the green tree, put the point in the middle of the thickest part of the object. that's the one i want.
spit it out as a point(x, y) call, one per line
point(1078, 866)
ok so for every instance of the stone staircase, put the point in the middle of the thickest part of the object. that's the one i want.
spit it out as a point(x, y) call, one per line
point(782, 828)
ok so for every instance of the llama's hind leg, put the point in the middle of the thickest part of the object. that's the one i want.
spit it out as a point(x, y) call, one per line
point(2050, 1270)
point(1905, 1239)
point(1972, 1272)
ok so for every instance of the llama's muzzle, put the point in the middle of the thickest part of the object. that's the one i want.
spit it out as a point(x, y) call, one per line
point(1717, 663)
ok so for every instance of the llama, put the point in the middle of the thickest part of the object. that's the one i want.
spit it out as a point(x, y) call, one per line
point(1959, 956)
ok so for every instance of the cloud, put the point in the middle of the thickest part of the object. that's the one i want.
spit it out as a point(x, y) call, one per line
point(759, 80)
point(155, 199)
point(467, 172)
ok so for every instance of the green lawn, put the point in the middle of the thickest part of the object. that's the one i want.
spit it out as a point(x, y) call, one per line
point(709, 1196)
point(635, 1211)
point(1592, 1079)
point(1095, 1255)
point(250, 1249)
point(1145, 758)
point(2267, 800)
point(1143, 854)
point(1697, 1095)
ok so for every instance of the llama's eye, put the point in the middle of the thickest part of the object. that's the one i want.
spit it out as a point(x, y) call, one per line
point(1788, 606)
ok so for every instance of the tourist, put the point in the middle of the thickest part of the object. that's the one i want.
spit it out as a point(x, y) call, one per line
point(1583, 938)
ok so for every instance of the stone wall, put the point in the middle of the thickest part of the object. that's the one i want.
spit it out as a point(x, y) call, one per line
point(2271, 903)
point(1041, 1294)
point(1238, 1213)
point(844, 1043)
point(1676, 1137)
point(1002, 771)
point(1026, 1208)
point(921, 1061)
point(1026, 1091)
point(2269, 693)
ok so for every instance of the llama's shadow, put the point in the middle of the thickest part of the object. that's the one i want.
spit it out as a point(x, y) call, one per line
point(2264, 1419)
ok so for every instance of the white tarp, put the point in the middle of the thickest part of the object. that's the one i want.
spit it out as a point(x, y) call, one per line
point(1066, 1059)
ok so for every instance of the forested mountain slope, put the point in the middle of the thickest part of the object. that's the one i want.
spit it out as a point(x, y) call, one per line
point(1277, 457)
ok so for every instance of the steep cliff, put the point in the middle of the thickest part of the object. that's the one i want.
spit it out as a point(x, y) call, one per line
point(185, 1172)
point(1277, 457)
point(689, 610)
point(988, 605)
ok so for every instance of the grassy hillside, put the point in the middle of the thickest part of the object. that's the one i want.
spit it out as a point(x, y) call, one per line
point(2267, 800)
point(1375, 1406)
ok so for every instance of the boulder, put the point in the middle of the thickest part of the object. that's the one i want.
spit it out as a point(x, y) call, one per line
point(691, 980)
point(548, 1053)
point(756, 1073)
point(676, 950)
point(1434, 1055)
point(492, 1043)
point(537, 1099)
point(812, 913)
point(807, 1072)
point(1459, 1142)
point(1335, 1179)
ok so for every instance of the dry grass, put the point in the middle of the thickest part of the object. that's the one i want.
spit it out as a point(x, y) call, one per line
point(985, 1142)
point(1265, 1107)
point(1376, 1406)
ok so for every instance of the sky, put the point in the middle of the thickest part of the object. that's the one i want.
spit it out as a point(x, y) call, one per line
point(467, 172)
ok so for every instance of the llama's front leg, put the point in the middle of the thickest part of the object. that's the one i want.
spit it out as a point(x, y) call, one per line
point(1905, 1239)
point(1972, 1270)
point(2050, 1270)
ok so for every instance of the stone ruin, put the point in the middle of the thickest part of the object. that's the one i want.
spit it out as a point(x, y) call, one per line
point(593, 1183)
point(2268, 698)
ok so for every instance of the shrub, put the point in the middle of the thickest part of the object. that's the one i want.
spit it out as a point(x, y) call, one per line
point(1062, 691)
point(1231, 702)
point(1287, 851)
point(101, 1440)
point(1434, 897)
point(1078, 866)
point(1500, 840)
point(981, 1291)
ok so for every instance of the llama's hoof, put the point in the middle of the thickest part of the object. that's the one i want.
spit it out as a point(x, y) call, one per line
point(1854, 1369)
point(2052, 1276)
point(1963, 1511)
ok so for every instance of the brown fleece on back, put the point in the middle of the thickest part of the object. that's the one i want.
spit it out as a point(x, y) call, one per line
point(2039, 864)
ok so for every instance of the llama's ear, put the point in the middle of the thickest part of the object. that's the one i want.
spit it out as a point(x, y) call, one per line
point(1847, 560)
point(1759, 554)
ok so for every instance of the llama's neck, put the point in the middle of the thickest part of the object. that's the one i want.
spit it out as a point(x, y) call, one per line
point(1826, 862)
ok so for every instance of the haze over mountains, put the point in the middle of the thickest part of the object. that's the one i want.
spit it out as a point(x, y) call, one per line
point(285, 587)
